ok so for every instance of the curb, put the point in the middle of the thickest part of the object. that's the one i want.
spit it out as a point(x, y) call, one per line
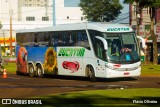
point(150, 75)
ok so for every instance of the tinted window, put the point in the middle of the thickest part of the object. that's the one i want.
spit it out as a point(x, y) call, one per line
point(82, 40)
point(63, 38)
point(70, 38)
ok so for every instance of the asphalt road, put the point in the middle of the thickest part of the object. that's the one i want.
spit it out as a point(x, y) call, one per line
point(15, 86)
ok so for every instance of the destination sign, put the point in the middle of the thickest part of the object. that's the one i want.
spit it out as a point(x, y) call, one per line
point(118, 29)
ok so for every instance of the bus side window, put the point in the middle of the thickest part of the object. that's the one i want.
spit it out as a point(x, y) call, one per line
point(72, 38)
point(65, 38)
point(68, 38)
point(99, 50)
point(83, 39)
point(56, 39)
point(60, 40)
point(28, 39)
point(42, 39)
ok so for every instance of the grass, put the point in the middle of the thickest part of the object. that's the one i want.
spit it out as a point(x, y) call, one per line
point(102, 98)
point(112, 93)
point(99, 98)
point(10, 67)
point(149, 69)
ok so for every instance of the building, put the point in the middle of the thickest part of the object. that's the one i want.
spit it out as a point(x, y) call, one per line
point(145, 28)
point(28, 14)
point(68, 11)
point(39, 13)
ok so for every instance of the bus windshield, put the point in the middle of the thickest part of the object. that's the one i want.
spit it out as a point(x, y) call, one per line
point(122, 48)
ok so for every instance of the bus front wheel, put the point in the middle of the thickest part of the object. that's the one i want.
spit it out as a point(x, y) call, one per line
point(31, 71)
point(39, 71)
point(92, 74)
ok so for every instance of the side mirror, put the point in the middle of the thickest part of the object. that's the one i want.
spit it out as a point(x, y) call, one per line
point(104, 42)
point(143, 41)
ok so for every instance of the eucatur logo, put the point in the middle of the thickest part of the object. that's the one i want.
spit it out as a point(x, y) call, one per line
point(71, 52)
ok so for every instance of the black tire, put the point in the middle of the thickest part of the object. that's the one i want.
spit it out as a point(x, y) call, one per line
point(18, 73)
point(92, 74)
point(31, 71)
point(40, 71)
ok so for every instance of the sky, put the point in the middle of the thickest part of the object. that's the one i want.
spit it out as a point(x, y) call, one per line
point(123, 17)
point(71, 3)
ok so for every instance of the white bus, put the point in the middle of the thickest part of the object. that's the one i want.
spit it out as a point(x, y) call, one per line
point(91, 50)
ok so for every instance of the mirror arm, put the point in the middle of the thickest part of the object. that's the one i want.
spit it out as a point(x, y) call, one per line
point(104, 42)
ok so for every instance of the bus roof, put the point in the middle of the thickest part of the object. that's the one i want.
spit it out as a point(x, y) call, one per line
point(102, 27)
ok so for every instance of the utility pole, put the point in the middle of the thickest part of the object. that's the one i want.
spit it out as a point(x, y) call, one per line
point(0, 44)
point(10, 13)
point(4, 40)
point(138, 20)
point(138, 17)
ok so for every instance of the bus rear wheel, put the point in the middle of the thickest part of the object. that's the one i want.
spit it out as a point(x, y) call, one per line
point(92, 74)
point(31, 71)
point(17, 73)
point(39, 71)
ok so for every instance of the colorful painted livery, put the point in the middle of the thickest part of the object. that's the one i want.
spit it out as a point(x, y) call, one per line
point(92, 50)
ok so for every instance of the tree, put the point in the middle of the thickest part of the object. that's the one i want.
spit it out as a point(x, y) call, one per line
point(100, 10)
point(152, 5)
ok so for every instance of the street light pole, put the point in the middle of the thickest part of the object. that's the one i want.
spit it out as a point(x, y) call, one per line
point(54, 13)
